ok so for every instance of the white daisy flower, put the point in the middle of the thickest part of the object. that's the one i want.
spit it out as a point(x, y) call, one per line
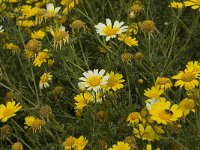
point(44, 80)
point(110, 31)
point(60, 36)
point(1, 29)
point(93, 80)
point(51, 11)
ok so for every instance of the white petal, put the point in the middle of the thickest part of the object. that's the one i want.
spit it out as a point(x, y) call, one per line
point(102, 72)
point(108, 22)
point(50, 6)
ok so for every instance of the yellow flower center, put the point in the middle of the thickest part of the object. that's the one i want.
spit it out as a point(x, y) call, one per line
point(163, 81)
point(189, 105)
point(60, 35)
point(94, 81)
point(45, 78)
point(8, 112)
point(110, 31)
point(37, 124)
point(111, 82)
point(134, 116)
point(43, 56)
point(166, 114)
point(70, 141)
point(188, 76)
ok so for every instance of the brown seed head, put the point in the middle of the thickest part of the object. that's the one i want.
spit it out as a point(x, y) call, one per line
point(33, 45)
point(45, 111)
point(77, 24)
point(132, 142)
point(139, 56)
point(127, 58)
point(5, 131)
point(147, 26)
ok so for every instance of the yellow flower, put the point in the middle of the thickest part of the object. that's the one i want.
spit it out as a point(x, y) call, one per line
point(133, 28)
point(94, 80)
point(153, 93)
point(69, 143)
point(120, 146)
point(187, 78)
point(60, 36)
point(128, 40)
point(41, 57)
point(12, 1)
point(193, 66)
point(114, 81)
point(9, 110)
point(25, 23)
point(38, 34)
point(34, 123)
point(195, 4)
point(110, 31)
point(80, 143)
point(163, 113)
point(28, 12)
point(17, 146)
point(12, 47)
point(144, 133)
point(163, 83)
point(133, 118)
point(83, 100)
point(176, 5)
point(69, 5)
point(44, 80)
point(187, 105)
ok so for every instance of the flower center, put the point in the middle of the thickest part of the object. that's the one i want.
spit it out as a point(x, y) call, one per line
point(43, 56)
point(94, 81)
point(111, 82)
point(134, 116)
point(162, 81)
point(189, 105)
point(166, 114)
point(60, 35)
point(70, 141)
point(37, 124)
point(110, 31)
point(188, 76)
point(8, 112)
point(45, 79)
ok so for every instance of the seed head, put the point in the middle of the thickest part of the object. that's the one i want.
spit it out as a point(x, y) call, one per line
point(45, 111)
point(136, 8)
point(139, 56)
point(147, 26)
point(5, 131)
point(77, 24)
point(33, 45)
point(132, 142)
point(127, 58)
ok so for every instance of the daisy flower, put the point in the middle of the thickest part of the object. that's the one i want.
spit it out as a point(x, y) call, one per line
point(152, 102)
point(153, 93)
point(109, 30)
point(41, 57)
point(114, 81)
point(51, 11)
point(120, 146)
point(195, 4)
point(44, 80)
point(69, 143)
point(133, 118)
point(9, 110)
point(163, 112)
point(38, 34)
point(163, 83)
point(176, 5)
point(187, 78)
point(34, 123)
point(60, 36)
point(94, 80)
point(187, 105)
point(128, 40)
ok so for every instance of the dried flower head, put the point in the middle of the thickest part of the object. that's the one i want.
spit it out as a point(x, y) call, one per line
point(101, 144)
point(136, 8)
point(9, 96)
point(5, 131)
point(33, 45)
point(147, 27)
point(132, 142)
point(17, 146)
point(57, 92)
point(45, 111)
point(77, 24)
point(139, 56)
point(127, 58)
point(102, 115)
